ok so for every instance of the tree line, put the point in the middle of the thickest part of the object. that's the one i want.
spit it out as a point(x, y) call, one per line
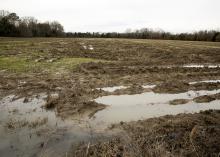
point(151, 34)
point(11, 25)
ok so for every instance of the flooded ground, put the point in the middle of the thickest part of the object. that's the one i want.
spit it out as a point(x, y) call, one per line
point(115, 88)
point(27, 129)
point(149, 105)
point(201, 66)
point(205, 81)
point(153, 90)
point(111, 89)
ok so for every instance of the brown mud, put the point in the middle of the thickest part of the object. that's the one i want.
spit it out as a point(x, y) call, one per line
point(182, 135)
point(130, 63)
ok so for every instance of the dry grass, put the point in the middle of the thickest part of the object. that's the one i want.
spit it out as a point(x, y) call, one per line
point(182, 135)
point(13, 124)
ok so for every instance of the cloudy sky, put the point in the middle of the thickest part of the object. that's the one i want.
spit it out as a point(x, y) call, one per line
point(118, 15)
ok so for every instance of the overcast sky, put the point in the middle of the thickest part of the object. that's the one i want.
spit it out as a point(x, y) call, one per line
point(118, 15)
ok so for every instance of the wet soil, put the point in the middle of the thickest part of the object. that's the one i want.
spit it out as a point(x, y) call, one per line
point(28, 129)
point(207, 98)
point(130, 63)
point(182, 135)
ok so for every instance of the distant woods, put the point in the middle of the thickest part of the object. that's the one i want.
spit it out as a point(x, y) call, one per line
point(152, 34)
point(11, 25)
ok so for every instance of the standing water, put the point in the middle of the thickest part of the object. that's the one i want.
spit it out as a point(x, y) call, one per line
point(149, 105)
point(27, 129)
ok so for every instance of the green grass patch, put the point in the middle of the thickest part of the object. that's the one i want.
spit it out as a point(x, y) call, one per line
point(13, 64)
point(20, 64)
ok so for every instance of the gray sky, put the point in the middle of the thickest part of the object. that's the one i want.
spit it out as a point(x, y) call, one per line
point(118, 15)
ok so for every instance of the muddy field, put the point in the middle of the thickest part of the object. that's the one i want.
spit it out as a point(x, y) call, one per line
point(109, 97)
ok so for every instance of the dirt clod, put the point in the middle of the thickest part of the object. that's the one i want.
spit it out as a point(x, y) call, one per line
point(204, 99)
point(179, 101)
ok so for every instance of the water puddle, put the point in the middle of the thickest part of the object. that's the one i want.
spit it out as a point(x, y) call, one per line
point(210, 66)
point(193, 66)
point(85, 47)
point(206, 81)
point(90, 47)
point(112, 89)
point(148, 105)
point(26, 129)
point(148, 86)
point(201, 66)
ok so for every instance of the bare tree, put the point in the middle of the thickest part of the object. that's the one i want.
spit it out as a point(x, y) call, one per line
point(3, 13)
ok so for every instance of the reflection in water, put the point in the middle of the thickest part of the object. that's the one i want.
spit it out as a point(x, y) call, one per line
point(148, 105)
point(23, 134)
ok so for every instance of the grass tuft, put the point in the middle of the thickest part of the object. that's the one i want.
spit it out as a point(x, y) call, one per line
point(22, 64)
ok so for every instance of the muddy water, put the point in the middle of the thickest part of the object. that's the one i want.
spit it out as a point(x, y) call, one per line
point(26, 129)
point(200, 66)
point(190, 66)
point(148, 86)
point(148, 105)
point(206, 81)
point(112, 89)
